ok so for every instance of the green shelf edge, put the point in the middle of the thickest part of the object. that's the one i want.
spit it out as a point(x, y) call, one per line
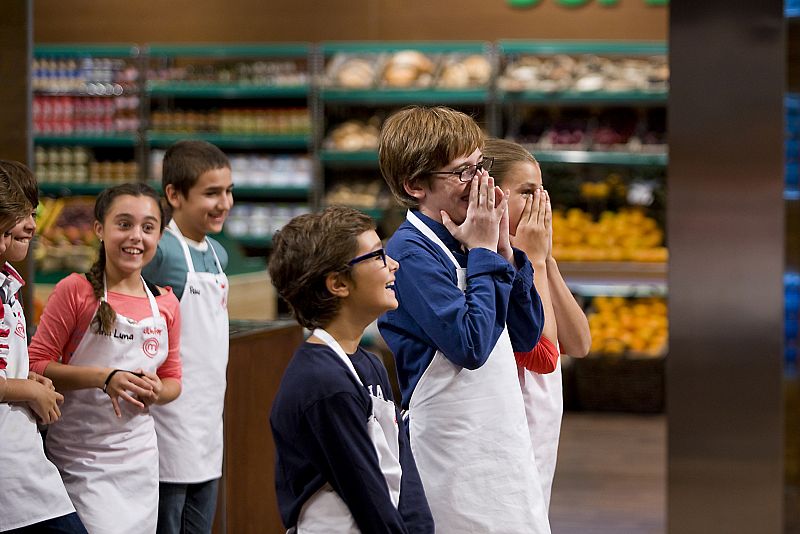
point(573, 97)
point(213, 50)
point(86, 49)
point(89, 140)
point(76, 189)
point(600, 158)
point(341, 156)
point(252, 242)
point(210, 90)
point(234, 141)
point(511, 46)
point(332, 47)
point(383, 96)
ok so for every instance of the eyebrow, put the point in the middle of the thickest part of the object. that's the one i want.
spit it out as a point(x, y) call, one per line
point(147, 217)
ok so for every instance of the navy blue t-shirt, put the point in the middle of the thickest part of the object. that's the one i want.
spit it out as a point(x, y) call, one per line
point(319, 423)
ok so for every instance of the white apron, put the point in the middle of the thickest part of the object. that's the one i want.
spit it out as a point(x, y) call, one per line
point(470, 438)
point(110, 464)
point(32, 490)
point(544, 406)
point(325, 512)
point(189, 429)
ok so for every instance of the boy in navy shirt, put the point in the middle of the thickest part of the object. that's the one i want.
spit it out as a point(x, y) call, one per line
point(344, 463)
point(466, 304)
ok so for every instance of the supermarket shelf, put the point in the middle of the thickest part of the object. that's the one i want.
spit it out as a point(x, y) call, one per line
point(270, 192)
point(359, 157)
point(229, 50)
point(83, 50)
point(109, 140)
point(578, 97)
point(405, 96)
point(253, 242)
point(50, 278)
point(224, 90)
point(75, 189)
point(600, 158)
point(233, 141)
point(332, 47)
point(583, 47)
point(615, 278)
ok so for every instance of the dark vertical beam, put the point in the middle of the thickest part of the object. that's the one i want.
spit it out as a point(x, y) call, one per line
point(16, 38)
point(726, 238)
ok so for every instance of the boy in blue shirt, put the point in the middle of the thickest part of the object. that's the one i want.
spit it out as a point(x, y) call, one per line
point(467, 303)
point(344, 463)
point(198, 186)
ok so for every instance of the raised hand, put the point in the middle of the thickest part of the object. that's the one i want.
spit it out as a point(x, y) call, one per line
point(481, 228)
point(534, 231)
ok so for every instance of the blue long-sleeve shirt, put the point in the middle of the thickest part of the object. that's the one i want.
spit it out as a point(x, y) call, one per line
point(434, 314)
point(319, 423)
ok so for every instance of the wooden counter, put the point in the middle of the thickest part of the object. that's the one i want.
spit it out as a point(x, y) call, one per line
point(259, 353)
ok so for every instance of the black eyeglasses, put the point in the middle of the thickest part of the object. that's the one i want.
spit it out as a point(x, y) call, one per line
point(380, 253)
point(470, 171)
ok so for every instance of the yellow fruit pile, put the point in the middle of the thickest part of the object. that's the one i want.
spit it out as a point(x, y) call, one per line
point(635, 326)
point(627, 235)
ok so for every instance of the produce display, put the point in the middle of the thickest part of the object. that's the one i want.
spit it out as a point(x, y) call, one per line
point(85, 76)
point(407, 69)
point(585, 73)
point(77, 165)
point(354, 135)
point(266, 121)
point(635, 327)
point(260, 221)
point(277, 73)
point(368, 194)
point(67, 115)
point(256, 170)
point(627, 235)
point(66, 237)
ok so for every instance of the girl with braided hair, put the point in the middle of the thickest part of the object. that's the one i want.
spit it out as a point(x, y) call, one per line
point(110, 342)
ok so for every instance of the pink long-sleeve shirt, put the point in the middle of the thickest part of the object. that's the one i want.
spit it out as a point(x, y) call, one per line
point(69, 314)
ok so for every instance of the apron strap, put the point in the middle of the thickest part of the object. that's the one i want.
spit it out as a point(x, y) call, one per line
point(172, 227)
point(333, 344)
point(150, 298)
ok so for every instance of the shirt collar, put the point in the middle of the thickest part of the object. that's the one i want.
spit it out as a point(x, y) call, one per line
point(441, 231)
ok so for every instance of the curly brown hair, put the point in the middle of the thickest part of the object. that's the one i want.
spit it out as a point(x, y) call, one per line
point(306, 251)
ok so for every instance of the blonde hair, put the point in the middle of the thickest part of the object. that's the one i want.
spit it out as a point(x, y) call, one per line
point(418, 140)
point(506, 155)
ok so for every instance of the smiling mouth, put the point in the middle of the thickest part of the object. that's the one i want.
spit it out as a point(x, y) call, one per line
point(133, 251)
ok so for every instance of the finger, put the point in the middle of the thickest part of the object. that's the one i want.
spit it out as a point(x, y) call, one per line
point(139, 392)
point(498, 194)
point(539, 199)
point(448, 223)
point(490, 191)
point(527, 209)
point(59, 398)
point(474, 194)
point(131, 400)
point(138, 381)
point(115, 404)
point(57, 411)
point(482, 194)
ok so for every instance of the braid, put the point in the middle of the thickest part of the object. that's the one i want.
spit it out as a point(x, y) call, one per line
point(105, 316)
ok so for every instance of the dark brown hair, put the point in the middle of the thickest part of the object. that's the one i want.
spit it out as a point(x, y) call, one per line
point(13, 204)
point(506, 155)
point(23, 177)
point(417, 140)
point(309, 248)
point(185, 161)
point(103, 320)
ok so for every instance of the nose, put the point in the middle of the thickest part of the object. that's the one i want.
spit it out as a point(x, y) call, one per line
point(392, 264)
point(30, 223)
point(227, 201)
point(136, 233)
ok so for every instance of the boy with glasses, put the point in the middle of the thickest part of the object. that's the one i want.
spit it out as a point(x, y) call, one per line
point(467, 303)
point(344, 463)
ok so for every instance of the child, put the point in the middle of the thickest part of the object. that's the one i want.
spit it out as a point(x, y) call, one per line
point(467, 302)
point(197, 183)
point(33, 498)
point(343, 460)
point(109, 336)
point(530, 220)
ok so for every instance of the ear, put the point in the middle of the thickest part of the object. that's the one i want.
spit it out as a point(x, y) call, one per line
point(98, 230)
point(338, 285)
point(172, 195)
point(415, 188)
